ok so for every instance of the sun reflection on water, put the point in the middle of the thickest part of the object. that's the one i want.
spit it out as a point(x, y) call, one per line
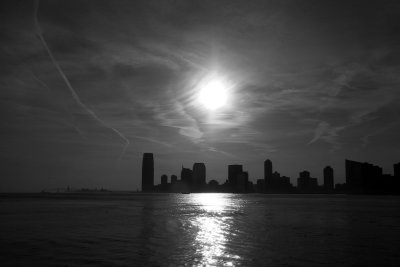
point(211, 202)
point(213, 224)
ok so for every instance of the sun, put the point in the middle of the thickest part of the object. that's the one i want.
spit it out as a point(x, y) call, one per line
point(213, 94)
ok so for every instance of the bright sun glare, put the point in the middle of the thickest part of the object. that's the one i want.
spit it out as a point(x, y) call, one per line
point(213, 94)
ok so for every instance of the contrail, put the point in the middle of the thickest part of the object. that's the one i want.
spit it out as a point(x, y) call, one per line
point(71, 89)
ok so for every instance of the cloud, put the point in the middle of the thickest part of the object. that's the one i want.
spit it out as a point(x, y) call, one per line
point(69, 86)
point(321, 129)
point(177, 117)
point(327, 133)
point(314, 74)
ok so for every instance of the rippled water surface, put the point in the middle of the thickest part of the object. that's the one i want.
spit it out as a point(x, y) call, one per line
point(199, 229)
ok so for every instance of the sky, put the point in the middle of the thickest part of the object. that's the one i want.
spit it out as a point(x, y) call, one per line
point(87, 87)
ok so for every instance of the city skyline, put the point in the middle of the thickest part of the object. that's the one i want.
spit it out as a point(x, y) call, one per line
point(361, 178)
point(200, 132)
point(88, 87)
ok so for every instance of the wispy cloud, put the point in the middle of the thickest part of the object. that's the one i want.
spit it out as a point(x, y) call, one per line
point(330, 134)
point(177, 117)
point(67, 82)
point(132, 68)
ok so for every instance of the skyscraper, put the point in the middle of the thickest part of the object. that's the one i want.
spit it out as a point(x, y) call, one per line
point(305, 183)
point(268, 174)
point(164, 179)
point(328, 178)
point(186, 175)
point(363, 177)
point(174, 178)
point(147, 172)
point(233, 172)
point(396, 170)
point(353, 175)
point(303, 180)
point(242, 180)
point(199, 174)
point(396, 178)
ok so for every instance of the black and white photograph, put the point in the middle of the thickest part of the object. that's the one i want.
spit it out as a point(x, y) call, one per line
point(199, 133)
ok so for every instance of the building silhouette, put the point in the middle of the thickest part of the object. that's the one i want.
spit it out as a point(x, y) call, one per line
point(199, 176)
point(260, 186)
point(396, 178)
point(284, 185)
point(328, 179)
point(147, 172)
point(353, 175)
point(396, 170)
point(242, 180)
point(307, 184)
point(174, 179)
point(363, 178)
point(164, 180)
point(273, 181)
point(213, 186)
point(186, 180)
point(268, 175)
point(163, 186)
point(186, 175)
point(233, 172)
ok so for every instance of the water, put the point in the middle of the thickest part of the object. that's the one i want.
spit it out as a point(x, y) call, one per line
point(199, 229)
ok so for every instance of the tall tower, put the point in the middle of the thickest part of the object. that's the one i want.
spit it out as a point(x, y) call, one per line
point(147, 172)
point(233, 172)
point(268, 174)
point(354, 174)
point(199, 174)
point(328, 178)
point(396, 170)
point(396, 174)
point(164, 179)
point(186, 175)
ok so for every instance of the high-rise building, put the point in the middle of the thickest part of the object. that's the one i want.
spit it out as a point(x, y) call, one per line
point(174, 178)
point(305, 183)
point(199, 174)
point(242, 180)
point(353, 175)
point(328, 178)
point(396, 178)
point(268, 174)
point(260, 185)
point(164, 179)
point(303, 180)
point(304, 174)
point(396, 170)
point(233, 172)
point(186, 175)
point(286, 183)
point(147, 172)
point(363, 177)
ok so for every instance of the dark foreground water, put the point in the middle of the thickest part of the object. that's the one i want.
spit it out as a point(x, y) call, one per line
point(199, 229)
